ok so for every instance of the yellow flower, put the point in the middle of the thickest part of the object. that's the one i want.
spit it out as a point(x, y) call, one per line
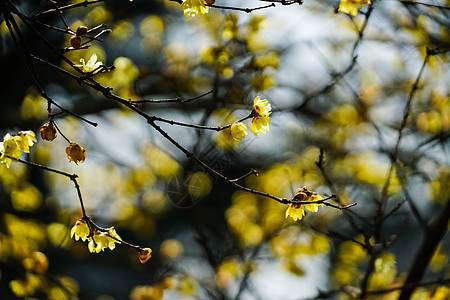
point(296, 210)
point(98, 242)
point(351, 6)
point(238, 131)
point(92, 66)
point(76, 153)
point(261, 108)
point(260, 124)
point(192, 8)
point(80, 230)
point(10, 149)
point(302, 194)
point(145, 254)
point(101, 240)
point(48, 132)
point(12, 146)
point(113, 238)
point(27, 139)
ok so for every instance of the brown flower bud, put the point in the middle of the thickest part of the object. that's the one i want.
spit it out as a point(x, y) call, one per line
point(48, 132)
point(144, 255)
point(75, 153)
point(210, 2)
point(75, 41)
point(82, 30)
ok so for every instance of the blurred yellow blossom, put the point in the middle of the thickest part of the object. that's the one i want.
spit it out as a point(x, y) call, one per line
point(171, 249)
point(192, 8)
point(238, 131)
point(351, 6)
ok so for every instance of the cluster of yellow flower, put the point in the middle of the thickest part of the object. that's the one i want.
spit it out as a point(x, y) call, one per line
point(351, 6)
point(260, 122)
point(296, 210)
point(100, 239)
point(12, 146)
point(192, 8)
point(97, 240)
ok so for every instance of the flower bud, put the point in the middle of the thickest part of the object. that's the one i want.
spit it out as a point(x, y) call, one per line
point(144, 255)
point(48, 132)
point(76, 153)
point(75, 41)
point(82, 30)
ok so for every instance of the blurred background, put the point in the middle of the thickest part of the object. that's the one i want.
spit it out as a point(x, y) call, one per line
point(337, 83)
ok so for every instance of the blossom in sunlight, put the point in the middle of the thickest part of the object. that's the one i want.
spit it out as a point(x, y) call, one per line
point(238, 131)
point(48, 132)
point(12, 146)
point(98, 242)
point(10, 149)
point(76, 153)
point(260, 124)
point(192, 8)
point(261, 108)
point(297, 210)
point(27, 139)
point(101, 240)
point(80, 230)
point(351, 6)
point(144, 255)
point(113, 238)
point(92, 66)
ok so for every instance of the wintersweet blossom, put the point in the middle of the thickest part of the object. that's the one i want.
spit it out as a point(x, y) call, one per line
point(48, 132)
point(80, 230)
point(92, 66)
point(296, 210)
point(27, 139)
point(238, 131)
point(260, 124)
point(75, 153)
point(261, 108)
point(192, 8)
point(12, 146)
point(145, 254)
point(351, 6)
point(98, 242)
